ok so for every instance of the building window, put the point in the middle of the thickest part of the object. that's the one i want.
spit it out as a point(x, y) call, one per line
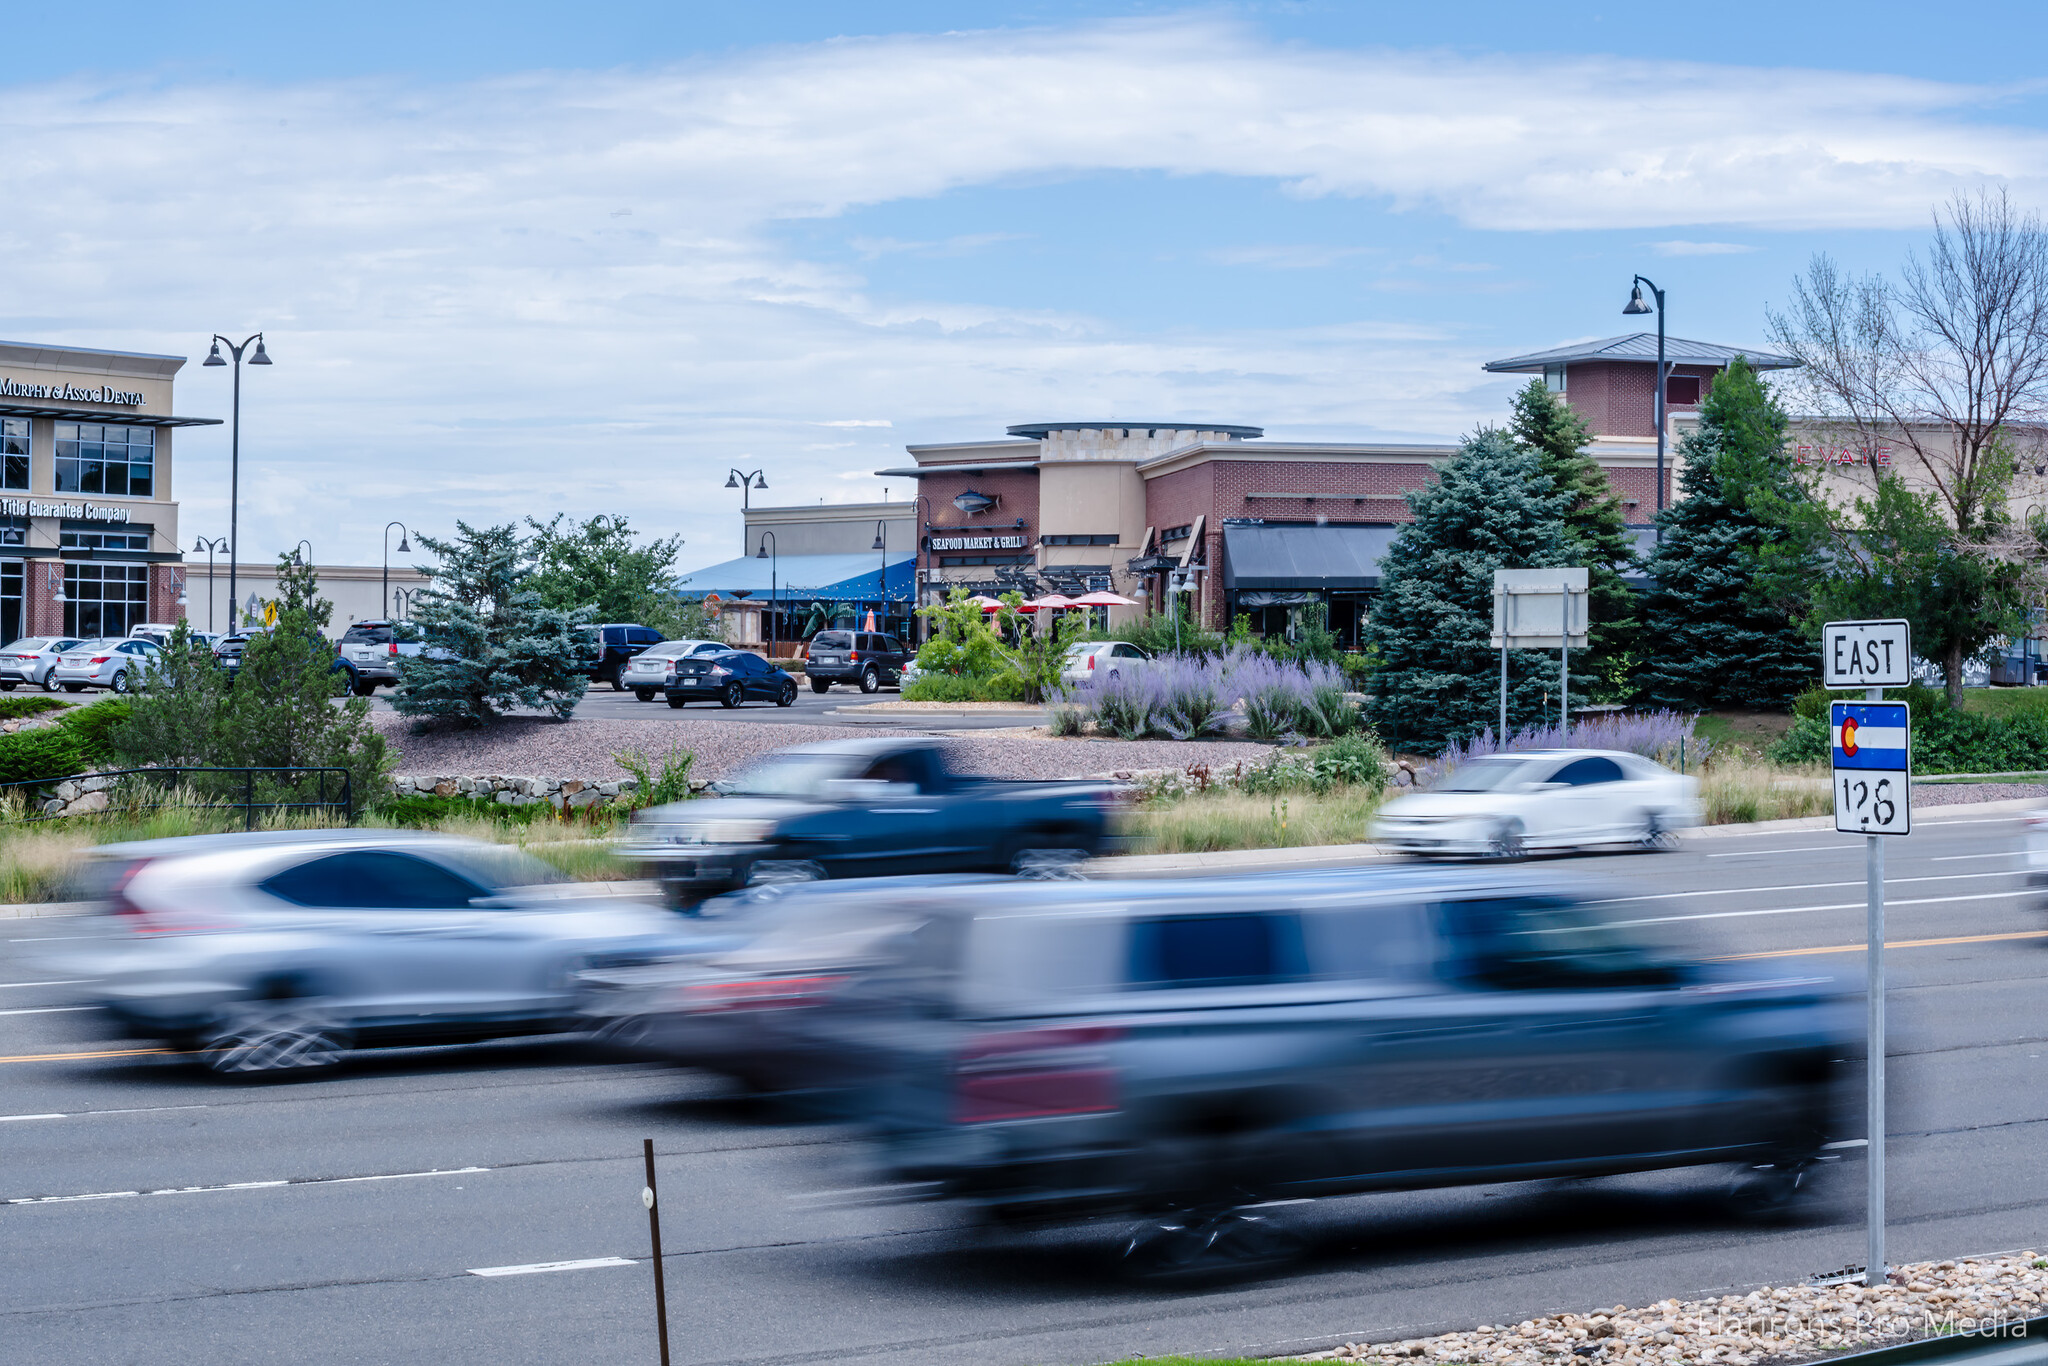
point(1078, 540)
point(1553, 378)
point(10, 599)
point(1683, 389)
point(103, 540)
point(105, 599)
point(120, 461)
point(14, 447)
point(1177, 533)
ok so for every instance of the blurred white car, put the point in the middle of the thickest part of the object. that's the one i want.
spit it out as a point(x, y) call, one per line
point(653, 669)
point(30, 659)
point(108, 663)
point(1505, 805)
point(1101, 659)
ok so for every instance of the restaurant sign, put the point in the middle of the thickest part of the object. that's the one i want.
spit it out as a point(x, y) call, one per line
point(1013, 541)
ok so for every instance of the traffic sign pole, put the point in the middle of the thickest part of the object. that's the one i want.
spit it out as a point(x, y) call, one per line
point(1874, 1266)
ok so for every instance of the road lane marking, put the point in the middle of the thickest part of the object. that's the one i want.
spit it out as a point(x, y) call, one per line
point(1800, 887)
point(1957, 858)
point(1889, 944)
point(536, 1268)
point(1800, 849)
point(238, 1186)
point(91, 1114)
point(1795, 910)
point(9, 1119)
point(65, 982)
point(68, 1057)
point(46, 1010)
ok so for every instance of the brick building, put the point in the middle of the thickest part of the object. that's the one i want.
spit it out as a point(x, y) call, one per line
point(1265, 527)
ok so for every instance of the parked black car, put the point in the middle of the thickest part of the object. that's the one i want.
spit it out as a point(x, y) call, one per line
point(867, 658)
point(867, 808)
point(608, 647)
point(228, 654)
point(729, 679)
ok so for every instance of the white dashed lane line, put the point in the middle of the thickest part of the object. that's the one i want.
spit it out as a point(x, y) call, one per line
point(46, 1010)
point(1798, 887)
point(65, 982)
point(537, 1268)
point(236, 1186)
point(1798, 910)
point(95, 1114)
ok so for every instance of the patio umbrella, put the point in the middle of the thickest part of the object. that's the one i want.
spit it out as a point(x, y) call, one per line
point(988, 604)
point(871, 619)
point(1102, 599)
point(1055, 601)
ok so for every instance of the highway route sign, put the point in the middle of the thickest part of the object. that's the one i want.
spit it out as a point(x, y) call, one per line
point(1873, 767)
point(1866, 654)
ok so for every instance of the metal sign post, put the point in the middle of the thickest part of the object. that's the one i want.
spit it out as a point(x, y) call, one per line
point(1540, 609)
point(1872, 746)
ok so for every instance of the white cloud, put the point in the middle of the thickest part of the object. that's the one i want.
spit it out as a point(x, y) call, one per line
point(1682, 248)
point(467, 321)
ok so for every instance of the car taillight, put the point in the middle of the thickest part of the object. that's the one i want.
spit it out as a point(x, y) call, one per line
point(768, 993)
point(853, 658)
point(1091, 661)
point(717, 670)
point(101, 659)
point(392, 648)
point(1034, 1074)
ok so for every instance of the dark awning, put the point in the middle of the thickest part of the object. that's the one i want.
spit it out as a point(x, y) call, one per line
point(111, 419)
point(1268, 558)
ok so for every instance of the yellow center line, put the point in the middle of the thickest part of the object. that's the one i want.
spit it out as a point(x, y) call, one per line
point(1890, 944)
point(67, 1057)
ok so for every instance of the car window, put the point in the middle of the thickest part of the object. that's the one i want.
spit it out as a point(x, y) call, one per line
point(1586, 772)
point(641, 635)
point(615, 635)
point(28, 646)
point(366, 635)
point(1129, 652)
point(372, 879)
point(1483, 775)
point(1363, 943)
point(892, 645)
point(1535, 943)
point(832, 640)
point(897, 768)
point(1234, 949)
point(666, 650)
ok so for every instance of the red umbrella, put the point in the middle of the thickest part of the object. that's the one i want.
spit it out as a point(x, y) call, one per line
point(988, 604)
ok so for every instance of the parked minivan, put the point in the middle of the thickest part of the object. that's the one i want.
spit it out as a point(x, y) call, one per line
point(867, 658)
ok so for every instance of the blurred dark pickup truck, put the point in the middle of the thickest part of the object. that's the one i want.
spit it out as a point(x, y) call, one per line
point(866, 808)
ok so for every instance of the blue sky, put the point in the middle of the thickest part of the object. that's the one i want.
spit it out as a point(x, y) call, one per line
point(523, 259)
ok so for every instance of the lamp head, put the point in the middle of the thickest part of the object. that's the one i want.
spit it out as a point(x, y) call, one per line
point(213, 356)
point(1636, 303)
point(760, 480)
point(261, 357)
point(404, 546)
point(762, 553)
point(732, 479)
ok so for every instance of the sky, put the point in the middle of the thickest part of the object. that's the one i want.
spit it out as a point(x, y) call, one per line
point(517, 260)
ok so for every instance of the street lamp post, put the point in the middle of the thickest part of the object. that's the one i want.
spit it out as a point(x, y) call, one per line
point(882, 585)
point(745, 483)
point(261, 357)
point(404, 548)
point(1637, 305)
point(218, 543)
point(768, 552)
point(405, 597)
point(308, 558)
point(920, 547)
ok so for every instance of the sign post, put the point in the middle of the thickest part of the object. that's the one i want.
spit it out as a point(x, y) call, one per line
point(1540, 609)
point(1872, 746)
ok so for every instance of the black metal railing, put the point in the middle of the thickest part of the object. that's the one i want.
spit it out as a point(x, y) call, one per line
point(229, 789)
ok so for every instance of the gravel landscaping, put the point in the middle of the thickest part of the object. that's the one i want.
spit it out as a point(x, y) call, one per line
point(1782, 1323)
point(584, 748)
point(1950, 794)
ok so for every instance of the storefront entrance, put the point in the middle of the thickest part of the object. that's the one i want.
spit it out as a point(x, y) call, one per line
point(103, 599)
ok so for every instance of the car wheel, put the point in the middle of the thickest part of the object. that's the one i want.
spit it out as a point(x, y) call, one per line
point(732, 696)
point(7, 686)
point(644, 694)
point(1654, 836)
point(870, 681)
point(74, 687)
point(257, 1038)
point(618, 685)
point(363, 689)
point(821, 685)
point(677, 701)
point(1201, 1244)
point(120, 683)
point(1505, 846)
point(787, 697)
point(773, 872)
point(49, 679)
point(1774, 1194)
point(1051, 865)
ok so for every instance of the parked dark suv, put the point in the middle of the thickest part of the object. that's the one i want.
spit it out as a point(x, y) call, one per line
point(868, 658)
point(608, 647)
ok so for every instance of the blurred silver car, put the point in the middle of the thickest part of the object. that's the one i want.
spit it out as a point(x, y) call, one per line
point(112, 663)
point(30, 660)
point(1505, 805)
point(284, 949)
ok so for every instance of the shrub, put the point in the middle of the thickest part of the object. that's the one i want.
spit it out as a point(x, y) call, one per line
point(426, 812)
point(1006, 686)
point(19, 708)
point(92, 729)
point(671, 784)
point(1654, 735)
point(1065, 719)
point(51, 752)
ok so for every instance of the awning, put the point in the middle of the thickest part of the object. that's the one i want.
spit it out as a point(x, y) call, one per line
point(102, 416)
point(1303, 558)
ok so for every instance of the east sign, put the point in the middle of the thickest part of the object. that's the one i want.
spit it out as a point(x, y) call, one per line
point(1866, 654)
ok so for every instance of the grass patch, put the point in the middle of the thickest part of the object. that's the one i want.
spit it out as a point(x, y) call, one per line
point(1206, 822)
point(1738, 791)
point(2004, 702)
point(1745, 730)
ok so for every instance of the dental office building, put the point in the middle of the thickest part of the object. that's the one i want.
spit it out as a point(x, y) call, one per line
point(88, 528)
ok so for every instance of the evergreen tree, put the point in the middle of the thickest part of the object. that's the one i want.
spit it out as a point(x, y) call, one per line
point(1720, 638)
point(490, 645)
point(1490, 507)
point(1595, 530)
point(280, 713)
point(175, 718)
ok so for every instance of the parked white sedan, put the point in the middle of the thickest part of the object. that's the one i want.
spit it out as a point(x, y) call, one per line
point(31, 659)
point(1504, 805)
point(1100, 659)
point(111, 663)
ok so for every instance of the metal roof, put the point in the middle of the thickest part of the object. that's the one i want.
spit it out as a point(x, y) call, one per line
point(1641, 346)
point(849, 575)
point(1038, 431)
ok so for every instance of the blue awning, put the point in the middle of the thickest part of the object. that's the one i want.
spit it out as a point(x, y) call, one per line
point(852, 578)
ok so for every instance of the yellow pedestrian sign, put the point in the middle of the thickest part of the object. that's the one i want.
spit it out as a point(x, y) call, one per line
point(270, 613)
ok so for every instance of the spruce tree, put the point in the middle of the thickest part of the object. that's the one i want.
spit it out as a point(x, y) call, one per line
point(490, 645)
point(1491, 506)
point(1595, 530)
point(1716, 641)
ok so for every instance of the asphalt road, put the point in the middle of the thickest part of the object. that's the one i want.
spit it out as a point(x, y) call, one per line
point(811, 709)
point(170, 1219)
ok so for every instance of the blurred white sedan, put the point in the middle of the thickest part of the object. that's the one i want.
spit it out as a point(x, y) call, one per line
point(1505, 805)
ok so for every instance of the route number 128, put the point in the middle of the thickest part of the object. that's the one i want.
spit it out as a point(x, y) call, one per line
point(1872, 801)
